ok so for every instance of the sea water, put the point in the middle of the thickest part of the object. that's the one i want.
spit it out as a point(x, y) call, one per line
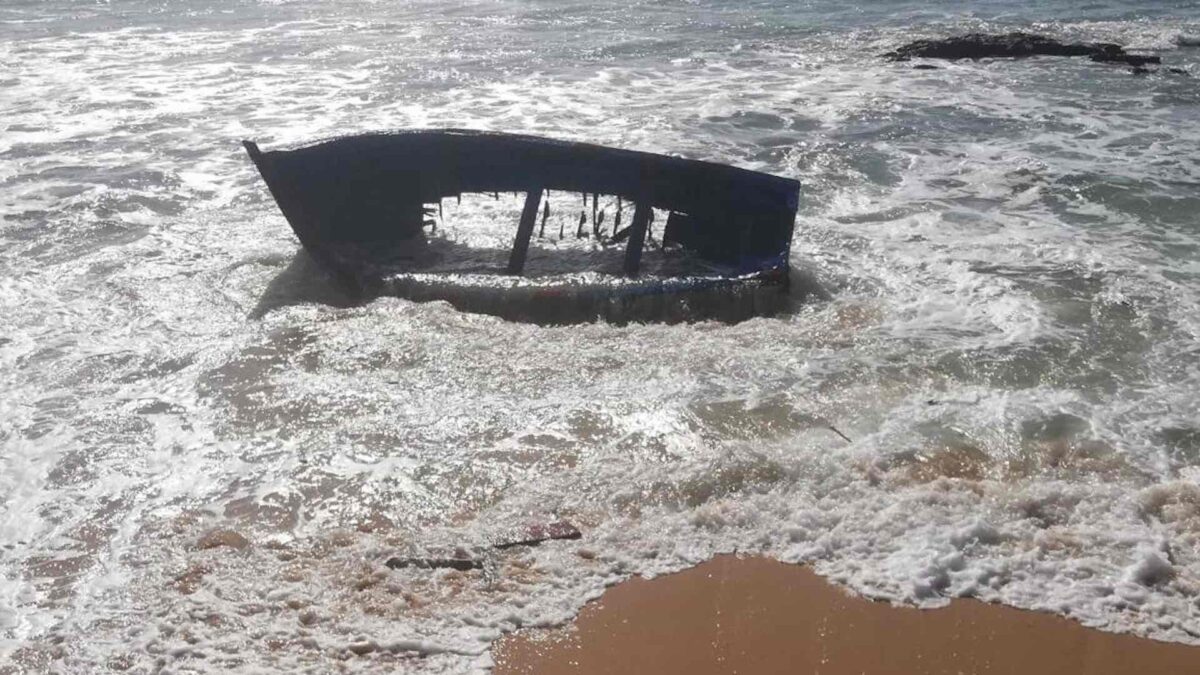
point(206, 453)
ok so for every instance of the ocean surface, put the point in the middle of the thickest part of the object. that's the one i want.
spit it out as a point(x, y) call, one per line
point(205, 456)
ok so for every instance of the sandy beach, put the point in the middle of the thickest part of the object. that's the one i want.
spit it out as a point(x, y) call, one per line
point(754, 615)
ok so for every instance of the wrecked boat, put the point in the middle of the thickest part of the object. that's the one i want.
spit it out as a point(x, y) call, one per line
point(369, 210)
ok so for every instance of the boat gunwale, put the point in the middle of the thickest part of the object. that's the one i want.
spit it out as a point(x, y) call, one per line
point(623, 153)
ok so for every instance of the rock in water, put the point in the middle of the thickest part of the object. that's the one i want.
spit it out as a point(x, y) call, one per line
point(1121, 56)
point(218, 538)
point(982, 45)
point(1015, 46)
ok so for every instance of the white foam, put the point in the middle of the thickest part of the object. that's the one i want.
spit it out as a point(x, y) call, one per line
point(1008, 344)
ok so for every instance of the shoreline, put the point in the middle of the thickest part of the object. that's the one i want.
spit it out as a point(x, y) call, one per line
point(757, 615)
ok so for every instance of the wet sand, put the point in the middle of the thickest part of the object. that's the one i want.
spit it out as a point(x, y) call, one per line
point(753, 615)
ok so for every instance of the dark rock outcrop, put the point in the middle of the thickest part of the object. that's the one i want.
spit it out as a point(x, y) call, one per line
point(1015, 46)
point(1118, 55)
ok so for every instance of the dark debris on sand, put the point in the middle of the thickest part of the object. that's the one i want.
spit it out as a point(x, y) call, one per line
point(1015, 46)
point(462, 561)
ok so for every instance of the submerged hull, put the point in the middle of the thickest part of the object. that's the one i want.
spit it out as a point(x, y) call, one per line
point(582, 299)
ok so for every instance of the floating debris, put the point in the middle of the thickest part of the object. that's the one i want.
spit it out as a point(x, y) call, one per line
point(460, 564)
point(541, 533)
point(534, 535)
